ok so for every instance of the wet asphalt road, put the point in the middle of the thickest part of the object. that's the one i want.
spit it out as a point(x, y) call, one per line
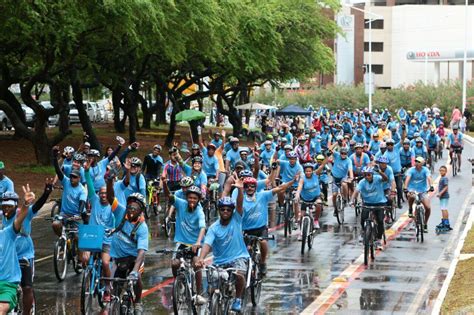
point(331, 278)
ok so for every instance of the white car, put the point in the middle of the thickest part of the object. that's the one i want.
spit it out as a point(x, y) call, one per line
point(5, 123)
point(73, 113)
point(29, 115)
point(104, 115)
point(54, 119)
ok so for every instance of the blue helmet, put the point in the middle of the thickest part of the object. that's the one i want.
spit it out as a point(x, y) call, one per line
point(246, 173)
point(382, 159)
point(226, 202)
point(368, 169)
point(292, 155)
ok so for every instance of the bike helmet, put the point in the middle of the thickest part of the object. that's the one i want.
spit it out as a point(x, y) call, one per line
point(250, 181)
point(359, 146)
point(244, 151)
point(240, 164)
point(194, 190)
point(420, 159)
point(308, 164)
point(339, 138)
point(267, 142)
point(195, 147)
point(343, 150)
point(234, 140)
point(283, 140)
point(269, 137)
point(136, 161)
point(406, 141)
point(69, 150)
point(382, 159)
point(292, 155)
point(419, 140)
point(196, 159)
point(302, 138)
point(383, 145)
point(137, 197)
point(157, 146)
point(288, 147)
point(10, 195)
point(359, 130)
point(79, 157)
point(390, 141)
point(352, 142)
point(368, 169)
point(245, 173)
point(186, 181)
point(173, 150)
point(320, 157)
point(416, 134)
point(211, 146)
point(226, 202)
point(93, 152)
point(217, 133)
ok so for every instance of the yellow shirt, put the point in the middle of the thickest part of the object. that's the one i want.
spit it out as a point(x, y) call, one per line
point(384, 134)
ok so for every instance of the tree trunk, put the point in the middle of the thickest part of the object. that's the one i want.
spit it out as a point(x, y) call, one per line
point(236, 122)
point(147, 113)
point(160, 105)
point(83, 117)
point(42, 146)
point(119, 124)
point(172, 129)
point(59, 99)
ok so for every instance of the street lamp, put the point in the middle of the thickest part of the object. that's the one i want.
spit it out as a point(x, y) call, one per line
point(375, 17)
point(464, 64)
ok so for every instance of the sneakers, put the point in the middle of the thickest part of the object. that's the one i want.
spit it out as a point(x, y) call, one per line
point(138, 308)
point(425, 228)
point(410, 214)
point(106, 297)
point(316, 224)
point(263, 269)
point(237, 305)
point(378, 245)
point(200, 300)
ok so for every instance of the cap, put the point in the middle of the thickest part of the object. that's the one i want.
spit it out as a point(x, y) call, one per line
point(75, 172)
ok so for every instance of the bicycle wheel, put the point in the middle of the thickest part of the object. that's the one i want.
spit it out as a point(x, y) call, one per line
point(422, 223)
point(455, 163)
point(60, 259)
point(148, 210)
point(256, 287)
point(114, 307)
point(56, 208)
point(340, 210)
point(357, 209)
point(181, 300)
point(393, 212)
point(212, 212)
point(367, 241)
point(304, 233)
point(287, 220)
point(215, 305)
point(87, 292)
point(419, 225)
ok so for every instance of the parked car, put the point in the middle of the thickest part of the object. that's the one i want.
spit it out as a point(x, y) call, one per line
point(53, 119)
point(95, 112)
point(73, 113)
point(104, 115)
point(5, 123)
point(29, 115)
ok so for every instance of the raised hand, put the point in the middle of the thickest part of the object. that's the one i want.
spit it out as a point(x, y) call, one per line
point(120, 140)
point(128, 164)
point(87, 164)
point(55, 151)
point(48, 184)
point(238, 183)
point(28, 195)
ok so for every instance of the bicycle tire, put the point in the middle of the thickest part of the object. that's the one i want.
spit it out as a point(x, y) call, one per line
point(422, 223)
point(215, 305)
point(87, 295)
point(55, 209)
point(393, 212)
point(419, 225)
point(147, 211)
point(367, 240)
point(304, 233)
point(339, 216)
point(357, 209)
point(75, 251)
point(287, 219)
point(213, 211)
point(256, 287)
point(60, 259)
point(455, 162)
point(180, 292)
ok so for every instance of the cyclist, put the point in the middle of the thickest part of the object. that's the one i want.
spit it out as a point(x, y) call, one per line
point(420, 149)
point(233, 155)
point(99, 167)
point(130, 239)
point(195, 151)
point(255, 212)
point(172, 170)
point(432, 143)
point(225, 239)
point(101, 214)
point(284, 157)
point(341, 174)
point(190, 229)
point(314, 143)
point(24, 244)
point(394, 161)
point(388, 186)
point(323, 177)
point(302, 149)
point(309, 189)
point(137, 183)
point(374, 144)
point(412, 128)
point(216, 141)
point(68, 153)
point(196, 173)
point(287, 171)
point(418, 180)
point(210, 163)
point(407, 157)
point(10, 275)
point(372, 194)
point(359, 159)
point(382, 150)
point(77, 162)
point(6, 184)
point(359, 137)
point(383, 131)
point(228, 186)
point(152, 164)
point(455, 142)
point(267, 154)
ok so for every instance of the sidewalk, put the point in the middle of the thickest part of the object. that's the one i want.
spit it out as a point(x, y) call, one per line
point(456, 296)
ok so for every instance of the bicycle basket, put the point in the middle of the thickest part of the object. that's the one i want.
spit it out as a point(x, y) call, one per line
point(91, 237)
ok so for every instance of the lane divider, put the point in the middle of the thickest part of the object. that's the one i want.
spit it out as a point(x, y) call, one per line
point(339, 284)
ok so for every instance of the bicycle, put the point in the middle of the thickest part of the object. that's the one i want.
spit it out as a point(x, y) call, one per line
point(288, 211)
point(18, 310)
point(391, 211)
point(370, 230)
point(454, 160)
point(431, 161)
point(256, 277)
point(224, 294)
point(122, 297)
point(440, 149)
point(153, 197)
point(169, 226)
point(340, 205)
point(307, 225)
point(184, 285)
point(65, 248)
point(419, 216)
point(210, 204)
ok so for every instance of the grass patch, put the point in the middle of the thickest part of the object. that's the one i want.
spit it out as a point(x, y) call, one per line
point(35, 169)
point(460, 299)
point(468, 247)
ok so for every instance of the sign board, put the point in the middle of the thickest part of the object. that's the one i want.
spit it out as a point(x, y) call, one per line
point(345, 50)
point(433, 54)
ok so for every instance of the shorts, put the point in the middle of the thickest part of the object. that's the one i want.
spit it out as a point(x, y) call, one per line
point(27, 267)
point(8, 293)
point(240, 264)
point(106, 248)
point(259, 232)
point(124, 265)
point(423, 196)
point(443, 203)
point(336, 184)
point(305, 203)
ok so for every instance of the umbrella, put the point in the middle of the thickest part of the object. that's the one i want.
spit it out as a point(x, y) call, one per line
point(255, 106)
point(293, 110)
point(189, 115)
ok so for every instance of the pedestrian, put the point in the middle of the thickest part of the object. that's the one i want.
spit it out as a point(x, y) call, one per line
point(443, 196)
point(462, 124)
point(467, 114)
point(455, 117)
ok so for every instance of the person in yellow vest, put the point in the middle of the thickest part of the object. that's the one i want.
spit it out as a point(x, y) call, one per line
point(384, 132)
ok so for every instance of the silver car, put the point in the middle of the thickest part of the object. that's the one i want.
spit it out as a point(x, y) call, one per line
point(73, 113)
point(29, 115)
point(53, 119)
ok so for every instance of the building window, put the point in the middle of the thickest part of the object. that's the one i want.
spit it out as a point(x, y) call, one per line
point(376, 69)
point(376, 46)
point(376, 24)
point(380, 3)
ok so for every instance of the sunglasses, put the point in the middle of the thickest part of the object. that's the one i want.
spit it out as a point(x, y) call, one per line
point(343, 153)
point(133, 208)
point(389, 144)
point(73, 176)
point(250, 186)
point(225, 209)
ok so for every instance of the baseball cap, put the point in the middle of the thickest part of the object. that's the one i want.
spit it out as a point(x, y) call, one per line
point(75, 172)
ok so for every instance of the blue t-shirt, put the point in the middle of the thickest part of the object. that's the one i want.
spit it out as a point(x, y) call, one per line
point(67, 171)
point(67, 162)
point(310, 188)
point(420, 151)
point(341, 167)
point(455, 140)
point(132, 185)
point(359, 162)
point(394, 159)
point(101, 215)
point(71, 197)
point(97, 173)
point(372, 193)
point(6, 184)
point(288, 172)
point(374, 146)
point(217, 143)
point(359, 138)
point(315, 145)
point(188, 224)
point(406, 156)
point(233, 156)
point(389, 172)
point(210, 164)
point(266, 157)
point(256, 210)
point(418, 179)
point(443, 182)
point(8, 257)
point(261, 184)
point(227, 241)
point(199, 179)
point(122, 244)
point(24, 244)
point(433, 141)
point(119, 190)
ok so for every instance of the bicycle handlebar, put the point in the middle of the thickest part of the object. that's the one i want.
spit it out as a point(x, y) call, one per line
point(259, 238)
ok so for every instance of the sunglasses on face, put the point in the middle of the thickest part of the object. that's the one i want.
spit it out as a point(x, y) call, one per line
point(250, 186)
point(343, 153)
point(225, 210)
point(135, 165)
point(133, 208)
point(389, 144)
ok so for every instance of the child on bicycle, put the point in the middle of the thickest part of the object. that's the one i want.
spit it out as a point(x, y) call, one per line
point(443, 196)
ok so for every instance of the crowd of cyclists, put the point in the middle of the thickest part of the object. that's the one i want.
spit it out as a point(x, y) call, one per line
point(382, 157)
